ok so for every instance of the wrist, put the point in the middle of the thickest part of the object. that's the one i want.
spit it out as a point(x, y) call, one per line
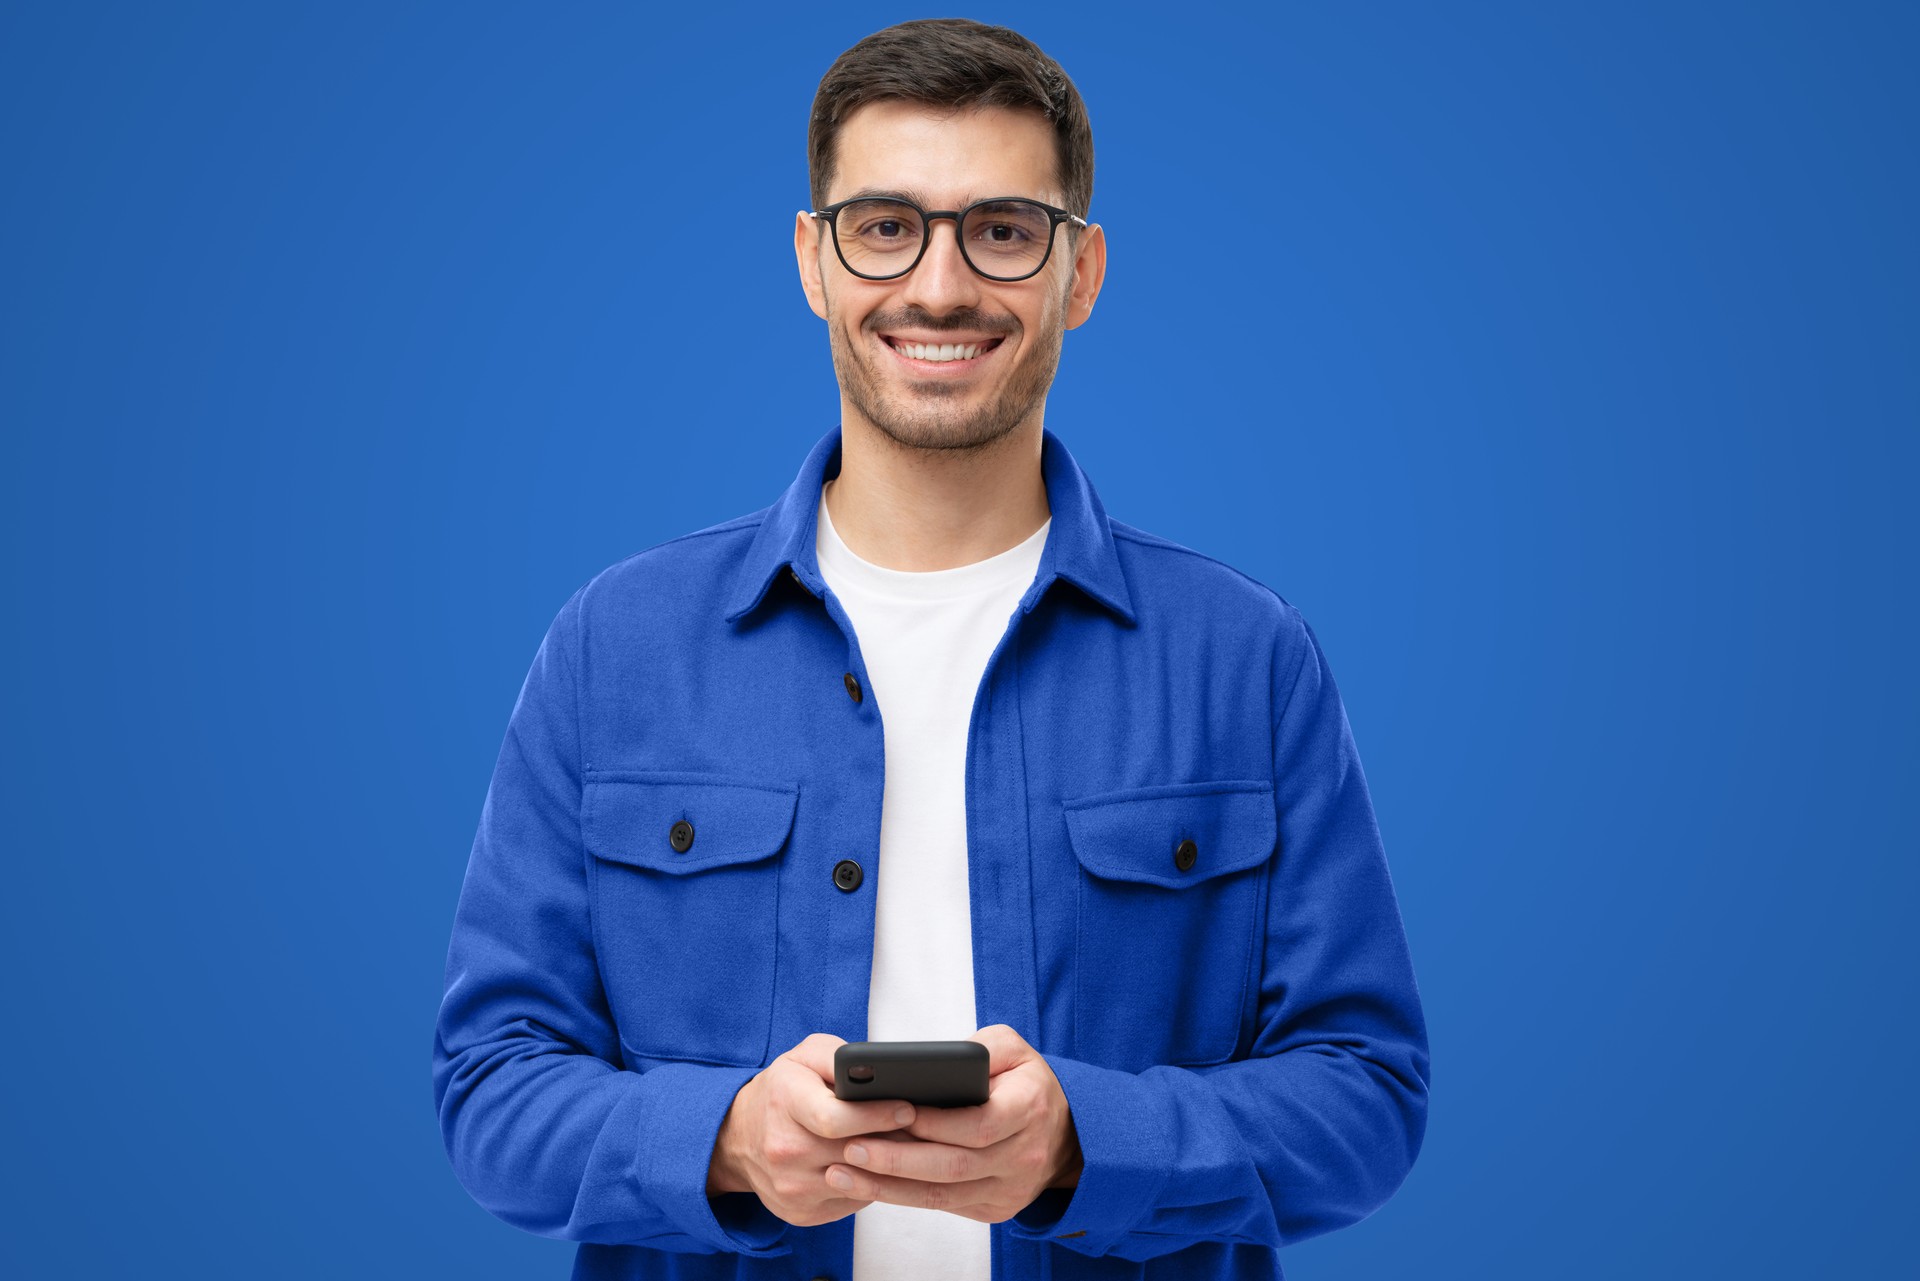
point(723, 1172)
point(1072, 1162)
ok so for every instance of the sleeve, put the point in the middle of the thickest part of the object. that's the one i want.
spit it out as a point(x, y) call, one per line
point(1321, 1123)
point(542, 1126)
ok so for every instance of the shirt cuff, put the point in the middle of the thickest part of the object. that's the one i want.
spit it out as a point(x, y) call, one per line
point(685, 1105)
point(1125, 1134)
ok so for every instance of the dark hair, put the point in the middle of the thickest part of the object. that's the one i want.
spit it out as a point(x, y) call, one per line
point(958, 63)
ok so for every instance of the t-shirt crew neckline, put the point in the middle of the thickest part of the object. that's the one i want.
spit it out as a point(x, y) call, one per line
point(1015, 565)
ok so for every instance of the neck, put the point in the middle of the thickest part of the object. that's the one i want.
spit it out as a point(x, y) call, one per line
point(927, 509)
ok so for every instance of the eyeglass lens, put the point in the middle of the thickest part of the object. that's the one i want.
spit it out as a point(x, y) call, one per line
point(1003, 239)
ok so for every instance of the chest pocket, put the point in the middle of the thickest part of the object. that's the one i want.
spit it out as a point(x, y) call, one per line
point(686, 894)
point(1168, 927)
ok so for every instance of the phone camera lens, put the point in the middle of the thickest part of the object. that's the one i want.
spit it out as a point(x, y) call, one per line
point(860, 1072)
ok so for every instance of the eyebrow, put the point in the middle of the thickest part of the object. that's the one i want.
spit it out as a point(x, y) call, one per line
point(919, 198)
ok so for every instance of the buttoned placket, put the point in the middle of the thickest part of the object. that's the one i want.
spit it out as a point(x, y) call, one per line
point(999, 874)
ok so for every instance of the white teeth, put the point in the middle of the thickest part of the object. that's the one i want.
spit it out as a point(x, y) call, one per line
point(940, 351)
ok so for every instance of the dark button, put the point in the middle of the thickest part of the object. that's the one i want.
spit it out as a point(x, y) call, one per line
point(680, 836)
point(853, 687)
point(1183, 855)
point(847, 875)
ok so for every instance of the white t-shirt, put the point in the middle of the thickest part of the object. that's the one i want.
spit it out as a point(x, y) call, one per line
point(925, 638)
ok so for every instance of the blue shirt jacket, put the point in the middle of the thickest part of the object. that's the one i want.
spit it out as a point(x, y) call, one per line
point(1178, 893)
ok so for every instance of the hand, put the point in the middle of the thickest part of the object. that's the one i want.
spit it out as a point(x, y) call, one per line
point(785, 1127)
point(985, 1163)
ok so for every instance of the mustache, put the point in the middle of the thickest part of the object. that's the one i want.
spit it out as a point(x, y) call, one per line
point(970, 319)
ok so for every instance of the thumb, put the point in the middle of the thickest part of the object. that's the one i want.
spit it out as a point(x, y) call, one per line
point(816, 1053)
point(1006, 1048)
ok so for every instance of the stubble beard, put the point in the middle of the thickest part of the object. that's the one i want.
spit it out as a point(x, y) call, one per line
point(933, 415)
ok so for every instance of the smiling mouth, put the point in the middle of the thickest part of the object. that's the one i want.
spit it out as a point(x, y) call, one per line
point(942, 353)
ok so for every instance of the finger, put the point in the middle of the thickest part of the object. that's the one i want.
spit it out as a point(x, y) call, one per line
point(833, 1118)
point(954, 1197)
point(814, 1107)
point(923, 1162)
point(1011, 1106)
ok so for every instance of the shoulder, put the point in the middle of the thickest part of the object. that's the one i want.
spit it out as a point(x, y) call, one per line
point(667, 577)
point(1168, 579)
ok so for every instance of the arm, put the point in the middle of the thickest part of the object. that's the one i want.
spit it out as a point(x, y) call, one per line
point(543, 1129)
point(1320, 1125)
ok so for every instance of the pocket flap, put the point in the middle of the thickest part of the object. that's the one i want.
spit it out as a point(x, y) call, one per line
point(1135, 835)
point(630, 818)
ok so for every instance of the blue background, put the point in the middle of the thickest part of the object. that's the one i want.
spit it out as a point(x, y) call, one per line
point(1558, 362)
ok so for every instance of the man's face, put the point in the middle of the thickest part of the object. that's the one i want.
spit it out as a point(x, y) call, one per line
point(944, 160)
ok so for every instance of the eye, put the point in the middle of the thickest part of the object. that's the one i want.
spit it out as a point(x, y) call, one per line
point(880, 223)
point(1005, 227)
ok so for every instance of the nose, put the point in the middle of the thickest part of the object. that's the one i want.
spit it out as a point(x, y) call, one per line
point(942, 281)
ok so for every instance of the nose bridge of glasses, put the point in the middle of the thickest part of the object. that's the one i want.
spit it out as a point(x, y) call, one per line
point(933, 216)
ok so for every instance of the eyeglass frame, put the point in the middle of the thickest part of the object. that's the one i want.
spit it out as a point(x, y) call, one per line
point(1056, 216)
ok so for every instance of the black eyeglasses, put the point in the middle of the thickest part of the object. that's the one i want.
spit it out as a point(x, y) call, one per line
point(1004, 239)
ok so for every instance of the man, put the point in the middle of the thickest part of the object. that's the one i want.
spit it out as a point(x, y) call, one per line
point(1115, 827)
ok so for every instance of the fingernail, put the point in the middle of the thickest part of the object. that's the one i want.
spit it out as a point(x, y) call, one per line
point(840, 1179)
point(857, 1154)
point(903, 1115)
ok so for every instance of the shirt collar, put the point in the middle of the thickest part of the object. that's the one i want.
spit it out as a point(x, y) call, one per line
point(1079, 545)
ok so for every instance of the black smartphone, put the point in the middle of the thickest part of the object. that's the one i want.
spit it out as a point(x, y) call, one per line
point(932, 1074)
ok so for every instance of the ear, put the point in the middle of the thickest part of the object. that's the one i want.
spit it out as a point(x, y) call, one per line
point(806, 249)
point(1089, 270)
